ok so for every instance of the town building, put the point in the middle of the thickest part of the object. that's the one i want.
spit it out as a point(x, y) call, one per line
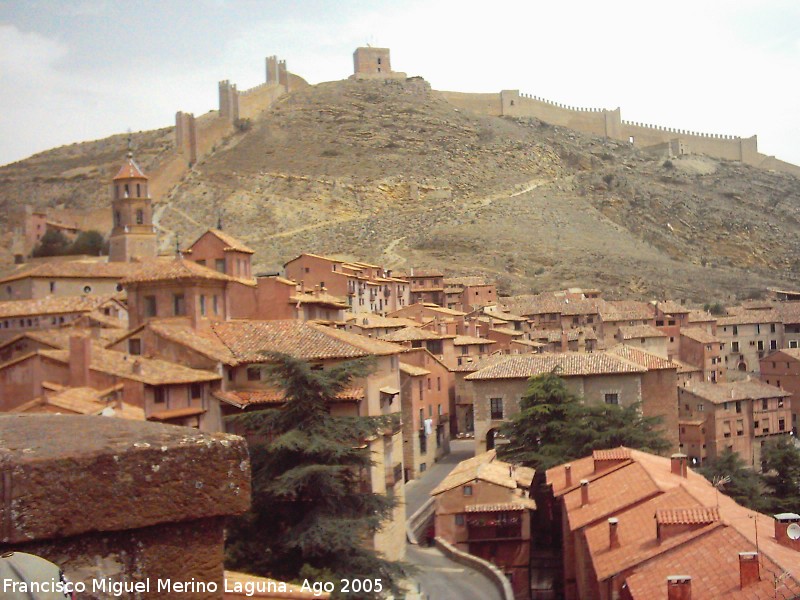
point(632, 525)
point(222, 252)
point(65, 278)
point(739, 415)
point(782, 369)
point(425, 384)
point(468, 293)
point(644, 337)
point(598, 378)
point(484, 507)
point(749, 336)
point(50, 312)
point(702, 349)
point(427, 286)
point(133, 236)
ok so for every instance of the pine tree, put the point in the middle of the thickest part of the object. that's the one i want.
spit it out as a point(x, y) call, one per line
point(735, 479)
point(554, 426)
point(781, 473)
point(309, 517)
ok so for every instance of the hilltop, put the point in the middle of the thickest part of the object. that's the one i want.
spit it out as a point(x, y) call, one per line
point(390, 172)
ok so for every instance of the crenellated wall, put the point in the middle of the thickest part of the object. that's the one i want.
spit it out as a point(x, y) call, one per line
point(609, 123)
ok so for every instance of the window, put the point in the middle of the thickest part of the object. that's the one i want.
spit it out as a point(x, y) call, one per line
point(773, 344)
point(700, 407)
point(423, 467)
point(735, 330)
point(195, 391)
point(203, 305)
point(149, 306)
point(230, 375)
point(219, 265)
point(439, 384)
point(216, 304)
point(159, 395)
point(429, 383)
point(139, 216)
point(780, 400)
point(760, 344)
point(734, 346)
point(781, 425)
point(117, 218)
point(739, 428)
point(178, 305)
point(87, 289)
point(726, 405)
point(439, 410)
point(739, 406)
point(460, 520)
point(253, 374)
point(758, 328)
point(660, 323)
point(612, 398)
point(421, 417)
point(52, 287)
point(726, 429)
point(764, 404)
point(430, 410)
point(468, 490)
point(772, 328)
point(135, 346)
point(792, 343)
point(496, 407)
point(420, 392)
point(671, 322)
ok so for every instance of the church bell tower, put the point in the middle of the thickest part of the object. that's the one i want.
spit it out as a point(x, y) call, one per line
point(133, 235)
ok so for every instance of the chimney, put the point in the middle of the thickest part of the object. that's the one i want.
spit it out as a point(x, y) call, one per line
point(584, 492)
point(679, 587)
point(748, 569)
point(679, 464)
point(564, 341)
point(568, 476)
point(80, 357)
point(787, 530)
point(613, 533)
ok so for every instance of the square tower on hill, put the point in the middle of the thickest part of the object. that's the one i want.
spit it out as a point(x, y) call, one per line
point(373, 63)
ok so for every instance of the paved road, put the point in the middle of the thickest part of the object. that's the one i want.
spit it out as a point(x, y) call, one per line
point(439, 577)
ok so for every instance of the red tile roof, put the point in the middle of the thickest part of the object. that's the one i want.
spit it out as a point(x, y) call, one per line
point(245, 398)
point(699, 335)
point(687, 516)
point(566, 364)
point(231, 243)
point(620, 453)
point(75, 269)
point(648, 360)
point(173, 269)
point(630, 332)
point(718, 393)
point(130, 170)
point(50, 305)
point(413, 334)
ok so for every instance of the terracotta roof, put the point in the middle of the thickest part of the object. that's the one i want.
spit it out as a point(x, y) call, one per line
point(788, 311)
point(712, 561)
point(718, 393)
point(620, 453)
point(231, 243)
point(50, 305)
point(750, 317)
point(245, 398)
point(494, 472)
point(554, 335)
point(82, 401)
point(503, 315)
point(75, 269)
point(202, 340)
point(699, 335)
point(318, 298)
point(58, 338)
point(687, 516)
point(700, 316)
point(630, 332)
point(670, 307)
point(565, 364)
point(511, 332)
point(466, 340)
point(377, 321)
point(626, 310)
point(684, 367)
point(412, 334)
point(413, 370)
point(130, 170)
point(470, 365)
point(249, 339)
point(648, 360)
point(151, 371)
point(420, 273)
point(173, 269)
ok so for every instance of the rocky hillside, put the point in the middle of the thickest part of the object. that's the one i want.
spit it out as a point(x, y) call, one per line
point(391, 173)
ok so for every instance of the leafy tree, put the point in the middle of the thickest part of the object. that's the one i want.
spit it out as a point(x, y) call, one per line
point(743, 484)
point(53, 243)
point(309, 517)
point(554, 426)
point(781, 473)
point(89, 242)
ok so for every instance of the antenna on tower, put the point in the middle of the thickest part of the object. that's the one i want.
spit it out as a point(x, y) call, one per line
point(130, 143)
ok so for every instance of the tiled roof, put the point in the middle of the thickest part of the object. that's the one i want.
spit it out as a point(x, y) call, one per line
point(620, 453)
point(734, 390)
point(712, 561)
point(565, 364)
point(231, 243)
point(248, 340)
point(648, 360)
point(202, 340)
point(494, 312)
point(75, 269)
point(626, 310)
point(130, 170)
point(470, 365)
point(176, 413)
point(750, 317)
point(82, 401)
point(554, 335)
point(700, 316)
point(318, 298)
point(684, 367)
point(687, 516)
point(466, 340)
point(699, 335)
point(50, 305)
point(412, 334)
point(495, 472)
point(630, 332)
point(420, 273)
point(669, 307)
point(788, 311)
point(173, 269)
point(59, 338)
point(413, 370)
point(151, 371)
point(245, 398)
point(377, 321)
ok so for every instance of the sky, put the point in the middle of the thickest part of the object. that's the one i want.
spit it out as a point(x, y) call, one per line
point(76, 70)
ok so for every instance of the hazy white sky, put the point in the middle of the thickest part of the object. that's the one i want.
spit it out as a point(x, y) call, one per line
point(84, 69)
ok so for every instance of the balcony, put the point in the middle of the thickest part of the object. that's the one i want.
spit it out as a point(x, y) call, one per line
point(394, 475)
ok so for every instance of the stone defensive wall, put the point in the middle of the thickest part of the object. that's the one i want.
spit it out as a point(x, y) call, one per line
point(608, 123)
point(196, 138)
